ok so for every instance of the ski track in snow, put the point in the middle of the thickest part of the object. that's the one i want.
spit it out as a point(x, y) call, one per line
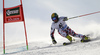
point(42, 48)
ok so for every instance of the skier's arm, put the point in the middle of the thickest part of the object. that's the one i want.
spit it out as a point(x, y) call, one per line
point(65, 19)
point(52, 36)
point(52, 33)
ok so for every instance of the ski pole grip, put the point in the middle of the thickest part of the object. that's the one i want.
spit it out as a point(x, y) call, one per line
point(74, 17)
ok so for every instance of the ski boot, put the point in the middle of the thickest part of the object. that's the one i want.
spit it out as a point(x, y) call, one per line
point(85, 39)
point(69, 38)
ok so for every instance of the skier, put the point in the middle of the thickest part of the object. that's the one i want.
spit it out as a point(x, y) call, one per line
point(63, 29)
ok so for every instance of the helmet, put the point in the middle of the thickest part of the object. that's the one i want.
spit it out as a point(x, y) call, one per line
point(54, 16)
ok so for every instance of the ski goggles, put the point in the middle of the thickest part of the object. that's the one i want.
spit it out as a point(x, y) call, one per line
point(54, 18)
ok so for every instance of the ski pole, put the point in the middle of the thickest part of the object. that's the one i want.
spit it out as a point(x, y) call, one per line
point(84, 15)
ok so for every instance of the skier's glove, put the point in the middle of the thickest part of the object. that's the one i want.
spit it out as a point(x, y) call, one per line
point(54, 41)
point(65, 19)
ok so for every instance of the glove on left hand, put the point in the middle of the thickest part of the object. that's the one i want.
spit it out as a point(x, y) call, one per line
point(65, 19)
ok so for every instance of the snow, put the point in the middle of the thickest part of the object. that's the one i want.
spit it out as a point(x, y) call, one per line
point(46, 48)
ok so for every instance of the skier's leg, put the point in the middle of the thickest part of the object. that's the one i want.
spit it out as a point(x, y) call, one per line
point(72, 33)
point(64, 34)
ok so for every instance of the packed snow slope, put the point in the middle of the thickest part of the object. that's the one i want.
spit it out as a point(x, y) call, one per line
point(45, 48)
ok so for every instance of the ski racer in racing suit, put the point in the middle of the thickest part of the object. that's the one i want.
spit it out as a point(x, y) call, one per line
point(63, 29)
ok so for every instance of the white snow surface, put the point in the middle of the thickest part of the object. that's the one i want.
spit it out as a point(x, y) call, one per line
point(46, 48)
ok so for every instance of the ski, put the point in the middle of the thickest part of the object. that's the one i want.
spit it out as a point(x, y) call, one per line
point(85, 40)
point(68, 43)
point(65, 43)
